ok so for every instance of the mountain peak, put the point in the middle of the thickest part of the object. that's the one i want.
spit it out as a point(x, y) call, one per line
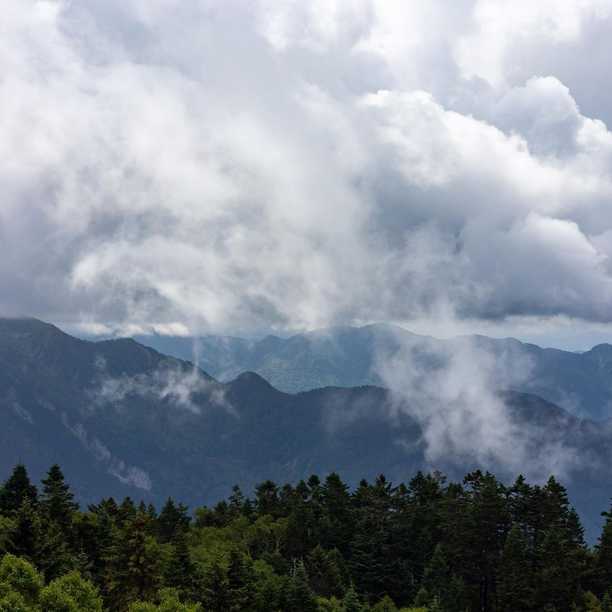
point(251, 379)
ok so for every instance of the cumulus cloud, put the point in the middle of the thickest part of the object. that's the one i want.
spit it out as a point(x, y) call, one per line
point(272, 165)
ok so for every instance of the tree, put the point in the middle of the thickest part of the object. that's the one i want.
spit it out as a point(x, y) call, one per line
point(591, 603)
point(172, 519)
point(324, 575)
point(180, 572)
point(26, 538)
point(514, 588)
point(337, 521)
point(300, 597)
point(386, 604)
point(70, 592)
point(16, 490)
point(240, 582)
point(11, 601)
point(169, 602)
point(266, 499)
point(21, 577)
point(603, 555)
point(57, 501)
point(217, 597)
point(134, 565)
point(351, 601)
point(7, 532)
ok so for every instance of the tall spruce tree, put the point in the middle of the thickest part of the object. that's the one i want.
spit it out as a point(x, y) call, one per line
point(57, 501)
point(16, 490)
point(514, 576)
point(300, 597)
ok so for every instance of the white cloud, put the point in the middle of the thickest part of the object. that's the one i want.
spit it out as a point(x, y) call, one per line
point(280, 165)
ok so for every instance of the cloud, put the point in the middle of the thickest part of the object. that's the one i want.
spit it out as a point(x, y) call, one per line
point(182, 388)
point(278, 166)
point(452, 390)
point(127, 474)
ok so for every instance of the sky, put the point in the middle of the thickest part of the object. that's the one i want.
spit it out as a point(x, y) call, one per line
point(250, 166)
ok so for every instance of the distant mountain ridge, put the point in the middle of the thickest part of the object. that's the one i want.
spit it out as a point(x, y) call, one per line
point(124, 419)
point(349, 356)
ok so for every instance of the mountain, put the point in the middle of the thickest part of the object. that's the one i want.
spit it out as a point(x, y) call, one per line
point(124, 419)
point(351, 356)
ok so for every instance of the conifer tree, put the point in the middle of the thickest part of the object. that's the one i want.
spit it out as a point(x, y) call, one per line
point(16, 490)
point(514, 588)
point(351, 601)
point(133, 566)
point(324, 575)
point(240, 580)
point(216, 591)
point(603, 555)
point(300, 597)
point(56, 499)
point(26, 540)
point(172, 519)
point(180, 572)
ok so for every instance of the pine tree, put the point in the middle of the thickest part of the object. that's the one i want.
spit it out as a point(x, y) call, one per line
point(216, 592)
point(603, 555)
point(324, 575)
point(26, 539)
point(16, 490)
point(386, 604)
point(351, 601)
point(133, 566)
point(172, 519)
point(337, 521)
point(236, 502)
point(240, 581)
point(300, 597)
point(514, 588)
point(591, 603)
point(57, 501)
point(266, 499)
point(180, 572)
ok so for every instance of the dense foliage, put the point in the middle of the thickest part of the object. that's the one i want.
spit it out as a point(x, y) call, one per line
point(429, 545)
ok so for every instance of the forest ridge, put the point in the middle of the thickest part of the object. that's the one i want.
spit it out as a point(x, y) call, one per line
point(428, 545)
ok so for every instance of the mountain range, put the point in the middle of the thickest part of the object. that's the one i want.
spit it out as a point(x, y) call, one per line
point(352, 356)
point(122, 419)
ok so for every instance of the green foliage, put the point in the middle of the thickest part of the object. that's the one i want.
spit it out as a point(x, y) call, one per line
point(351, 601)
point(386, 604)
point(168, 602)
point(329, 605)
point(18, 575)
point(312, 547)
point(7, 532)
point(591, 603)
point(13, 602)
point(300, 597)
point(515, 590)
point(15, 491)
point(70, 592)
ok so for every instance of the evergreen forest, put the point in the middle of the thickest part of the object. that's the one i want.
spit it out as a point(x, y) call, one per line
point(424, 546)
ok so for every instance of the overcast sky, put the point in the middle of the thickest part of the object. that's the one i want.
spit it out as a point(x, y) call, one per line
point(242, 166)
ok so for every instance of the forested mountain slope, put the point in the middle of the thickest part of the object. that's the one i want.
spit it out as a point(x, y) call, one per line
point(122, 419)
point(352, 356)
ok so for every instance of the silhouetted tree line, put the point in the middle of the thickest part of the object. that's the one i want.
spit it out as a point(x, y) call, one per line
point(430, 545)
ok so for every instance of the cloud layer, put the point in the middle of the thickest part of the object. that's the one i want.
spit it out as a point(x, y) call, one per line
point(252, 165)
